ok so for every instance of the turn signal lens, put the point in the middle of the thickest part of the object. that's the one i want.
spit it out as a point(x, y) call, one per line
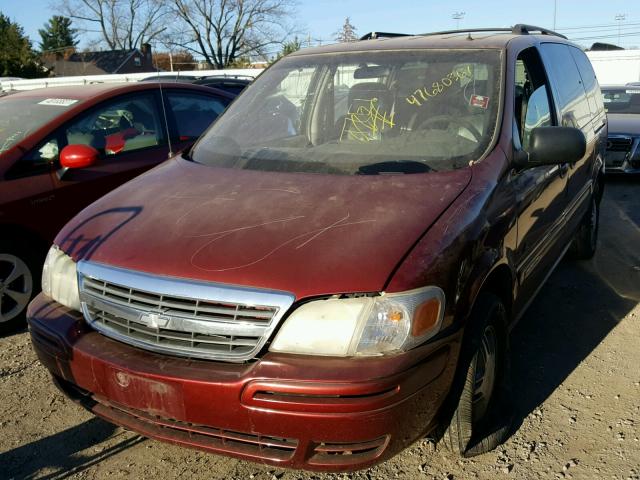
point(426, 317)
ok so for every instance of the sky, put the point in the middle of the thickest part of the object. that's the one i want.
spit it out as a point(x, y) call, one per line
point(319, 19)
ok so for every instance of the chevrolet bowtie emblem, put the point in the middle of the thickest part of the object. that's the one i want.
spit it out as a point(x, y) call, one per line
point(154, 320)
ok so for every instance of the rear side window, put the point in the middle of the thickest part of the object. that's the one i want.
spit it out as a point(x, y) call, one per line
point(589, 81)
point(561, 67)
point(194, 112)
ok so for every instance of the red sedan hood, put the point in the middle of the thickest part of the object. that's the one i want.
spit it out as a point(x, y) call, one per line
point(306, 234)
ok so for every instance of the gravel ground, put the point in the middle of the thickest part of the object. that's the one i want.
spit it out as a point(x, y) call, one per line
point(576, 391)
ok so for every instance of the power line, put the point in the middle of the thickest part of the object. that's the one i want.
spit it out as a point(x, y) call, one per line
point(586, 27)
point(615, 35)
point(626, 26)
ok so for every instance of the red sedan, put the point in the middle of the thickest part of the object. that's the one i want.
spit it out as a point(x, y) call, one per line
point(62, 148)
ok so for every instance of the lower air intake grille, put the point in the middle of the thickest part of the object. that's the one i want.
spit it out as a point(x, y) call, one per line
point(326, 453)
point(210, 438)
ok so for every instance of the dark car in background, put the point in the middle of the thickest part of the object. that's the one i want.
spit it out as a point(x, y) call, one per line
point(114, 132)
point(623, 110)
point(234, 84)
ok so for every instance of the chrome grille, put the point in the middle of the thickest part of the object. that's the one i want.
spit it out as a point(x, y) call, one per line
point(615, 159)
point(195, 308)
point(618, 150)
point(619, 144)
point(180, 317)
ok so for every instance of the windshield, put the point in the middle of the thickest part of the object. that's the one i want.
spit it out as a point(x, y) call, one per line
point(362, 113)
point(622, 100)
point(21, 116)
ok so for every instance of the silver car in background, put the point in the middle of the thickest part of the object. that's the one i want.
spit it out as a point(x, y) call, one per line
point(623, 111)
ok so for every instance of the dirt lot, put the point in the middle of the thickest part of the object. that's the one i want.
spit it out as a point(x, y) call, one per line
point(577, 392)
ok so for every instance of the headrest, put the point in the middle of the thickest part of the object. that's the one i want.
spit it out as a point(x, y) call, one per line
point(367, 91)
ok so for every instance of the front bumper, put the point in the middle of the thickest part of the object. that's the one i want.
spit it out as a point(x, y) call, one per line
point(622, 154)
point(626, 168)
point(315, 413)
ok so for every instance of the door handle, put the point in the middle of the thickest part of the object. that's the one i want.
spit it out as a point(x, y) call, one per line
point(560, 169)
point(552, 171)
point(564, 168)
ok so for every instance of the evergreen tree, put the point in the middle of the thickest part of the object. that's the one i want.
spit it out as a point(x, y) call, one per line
point(347, 33)
point(17, 58)
point(58, 35)
point(289, 47)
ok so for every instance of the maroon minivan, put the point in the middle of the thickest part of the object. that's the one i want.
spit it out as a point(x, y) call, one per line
point(331, 272)
point(61, 148)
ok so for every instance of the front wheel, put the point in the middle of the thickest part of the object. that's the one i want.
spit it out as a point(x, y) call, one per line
point(479, 422)
point(17, 286)
point(585, 241)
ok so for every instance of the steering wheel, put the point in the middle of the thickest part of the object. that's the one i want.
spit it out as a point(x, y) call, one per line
point(452, 121)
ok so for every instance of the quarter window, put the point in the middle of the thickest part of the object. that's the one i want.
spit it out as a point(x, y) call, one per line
point(532, 106)
point(39, 160)
point(537, 115)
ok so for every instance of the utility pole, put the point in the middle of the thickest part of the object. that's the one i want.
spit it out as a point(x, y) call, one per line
point(621, 17)
point(555, 13)
point(457, 16)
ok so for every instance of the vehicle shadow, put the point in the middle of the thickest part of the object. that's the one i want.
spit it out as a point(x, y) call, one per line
point(86, 237)
point(59, 456)
point(577, 308)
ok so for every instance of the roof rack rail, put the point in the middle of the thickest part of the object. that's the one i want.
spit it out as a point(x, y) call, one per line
point(524, 29)
point(374, 35)
point(519, 29)
point(466, 30)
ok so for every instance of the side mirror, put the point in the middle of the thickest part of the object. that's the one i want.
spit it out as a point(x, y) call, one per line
point(552, 146)
point(78, 156)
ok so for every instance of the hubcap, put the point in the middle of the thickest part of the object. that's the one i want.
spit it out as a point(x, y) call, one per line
point(16, 286)
point(485, 363)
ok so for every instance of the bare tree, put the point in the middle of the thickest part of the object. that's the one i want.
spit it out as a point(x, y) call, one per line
point(347, 33)
point(223, 31)
point(121, 24)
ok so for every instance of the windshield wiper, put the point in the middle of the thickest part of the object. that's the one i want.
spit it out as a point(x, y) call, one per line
point(394, 167)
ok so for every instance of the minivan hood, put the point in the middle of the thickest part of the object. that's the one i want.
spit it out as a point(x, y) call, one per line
point(628, 123)
point(303, 233)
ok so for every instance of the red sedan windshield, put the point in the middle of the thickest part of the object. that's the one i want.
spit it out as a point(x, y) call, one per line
point(21, 116)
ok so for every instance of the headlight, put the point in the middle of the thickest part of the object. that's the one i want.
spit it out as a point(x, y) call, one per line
point(362, 326)
point(60, 278)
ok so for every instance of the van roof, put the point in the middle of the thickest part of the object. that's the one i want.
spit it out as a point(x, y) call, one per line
point(480, 38)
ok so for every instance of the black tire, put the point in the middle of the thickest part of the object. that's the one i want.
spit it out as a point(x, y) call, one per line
point(20, 271)
point(479, 417)
point(585, 241)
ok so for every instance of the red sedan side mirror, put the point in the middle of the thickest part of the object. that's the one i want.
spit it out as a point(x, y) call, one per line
point(78, 156)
